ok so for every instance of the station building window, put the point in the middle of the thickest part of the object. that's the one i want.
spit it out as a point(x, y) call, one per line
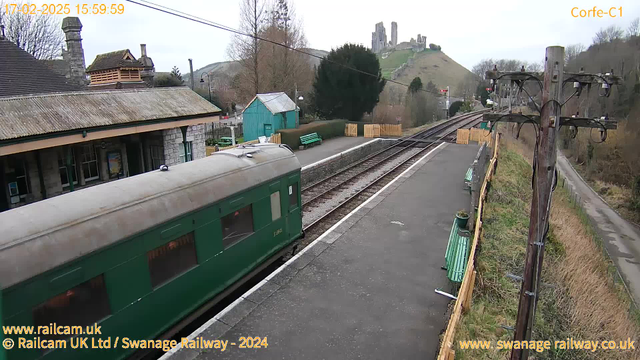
point(275, 206)
point(172, 259)
point(83, 305)
point(293, 196)
point(89, 163)
point(62, 166)
point(17, 179)
point(237, 226)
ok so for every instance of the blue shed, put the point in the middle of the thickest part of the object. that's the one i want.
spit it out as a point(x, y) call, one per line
point(268, 113)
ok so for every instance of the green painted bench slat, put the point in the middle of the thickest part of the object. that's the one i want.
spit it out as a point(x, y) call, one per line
point(457, 253)
point(310, 139)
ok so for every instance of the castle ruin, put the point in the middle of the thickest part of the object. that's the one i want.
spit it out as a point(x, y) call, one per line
point(380, 44)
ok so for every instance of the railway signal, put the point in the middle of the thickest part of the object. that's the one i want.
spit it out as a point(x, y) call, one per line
point(545, 175)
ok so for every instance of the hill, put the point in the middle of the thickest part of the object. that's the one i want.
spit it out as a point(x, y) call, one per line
point(228, 69)
point(429, 65)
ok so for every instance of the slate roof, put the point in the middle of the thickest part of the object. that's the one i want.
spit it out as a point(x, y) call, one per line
point(113, 60)
point(276, 102)
point(24, 116)
point(21, 73)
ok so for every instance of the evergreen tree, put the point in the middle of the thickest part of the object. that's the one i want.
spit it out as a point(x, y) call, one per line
point(416, 85)
point(175, 73)
point(340, 92)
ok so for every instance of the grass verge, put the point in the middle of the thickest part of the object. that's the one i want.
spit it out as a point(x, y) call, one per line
point(581, 298)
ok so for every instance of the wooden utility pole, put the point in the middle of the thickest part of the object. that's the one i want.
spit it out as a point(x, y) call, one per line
point(543, 182)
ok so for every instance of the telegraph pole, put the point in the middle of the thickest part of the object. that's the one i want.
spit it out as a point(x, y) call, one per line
point(543, 183)
point(544, 176)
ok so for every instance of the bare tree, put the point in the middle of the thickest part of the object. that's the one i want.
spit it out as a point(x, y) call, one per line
point(246, 49)
point(287, 68)
point(610, 34)
point(571, 52)
point(534, 67)
point(634, 28)
point(39, 35)
point(482, 67)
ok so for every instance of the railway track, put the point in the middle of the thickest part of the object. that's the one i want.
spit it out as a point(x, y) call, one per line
point(328, 200)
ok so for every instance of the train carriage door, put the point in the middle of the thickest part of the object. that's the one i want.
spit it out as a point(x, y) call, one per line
point(294, 218)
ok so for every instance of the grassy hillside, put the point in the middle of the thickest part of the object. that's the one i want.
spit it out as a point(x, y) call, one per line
point(582, 297)
point(429, 65)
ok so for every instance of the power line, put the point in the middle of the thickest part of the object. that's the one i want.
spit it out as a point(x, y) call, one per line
point(202, 21)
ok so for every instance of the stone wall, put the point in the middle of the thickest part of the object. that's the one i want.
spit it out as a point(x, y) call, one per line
point(322, 170)
point(173, 143)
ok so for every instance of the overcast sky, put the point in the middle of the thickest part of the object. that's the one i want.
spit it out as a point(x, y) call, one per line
point(468, 31)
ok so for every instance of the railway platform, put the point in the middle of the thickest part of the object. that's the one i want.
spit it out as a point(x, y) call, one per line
point(328, 148)
point(363, 289)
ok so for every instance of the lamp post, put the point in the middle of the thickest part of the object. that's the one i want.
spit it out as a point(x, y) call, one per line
point(297, 97)
point(208, 82)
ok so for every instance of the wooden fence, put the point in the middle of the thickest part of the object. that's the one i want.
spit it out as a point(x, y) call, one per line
point(372, 130)
point(462, 136)
point(351, 130)
point(479, 135)
point(274, 139)
point(463, 302)
point(390, 130)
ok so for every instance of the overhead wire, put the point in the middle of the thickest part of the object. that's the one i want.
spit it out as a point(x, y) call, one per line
point(186, 16)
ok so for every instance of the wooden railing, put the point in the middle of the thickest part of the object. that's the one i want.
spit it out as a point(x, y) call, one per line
point(463, 302)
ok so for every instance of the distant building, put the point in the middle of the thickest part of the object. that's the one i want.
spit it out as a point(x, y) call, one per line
point(116, 70)
point(268, 113)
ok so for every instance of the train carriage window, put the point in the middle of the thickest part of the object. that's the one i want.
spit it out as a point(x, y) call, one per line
point(172, 259)
point(275, 206)
point(236, 226)
point(293, 195)
point(83, 305)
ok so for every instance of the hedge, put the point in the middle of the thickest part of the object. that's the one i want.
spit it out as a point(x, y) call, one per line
point(326, 129)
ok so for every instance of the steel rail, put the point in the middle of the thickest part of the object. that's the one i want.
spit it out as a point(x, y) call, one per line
point(421, 135)
point(379, 178)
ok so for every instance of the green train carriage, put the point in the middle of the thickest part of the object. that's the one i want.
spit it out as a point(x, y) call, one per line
point(138, 255)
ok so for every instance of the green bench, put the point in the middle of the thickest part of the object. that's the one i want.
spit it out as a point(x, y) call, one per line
point(468, 178)
point(310, 139)
point(457, 253)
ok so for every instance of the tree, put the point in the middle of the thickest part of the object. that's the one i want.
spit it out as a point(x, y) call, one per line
point(284, 69)
point(610, 34)
point(453, 109)
point(344, 92)
point(415, 86)
point(246, 49)
point(175, 73)
point(571, 52)
point(482, 67)
point(634, 28)
point(482, 93)
point(39, 35)
point(431, 87)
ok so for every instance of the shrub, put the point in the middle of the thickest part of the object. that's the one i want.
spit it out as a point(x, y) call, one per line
point(326, 129)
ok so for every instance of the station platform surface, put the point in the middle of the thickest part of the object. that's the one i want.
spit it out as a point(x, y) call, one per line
point(365, 288)
point(327, 148)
